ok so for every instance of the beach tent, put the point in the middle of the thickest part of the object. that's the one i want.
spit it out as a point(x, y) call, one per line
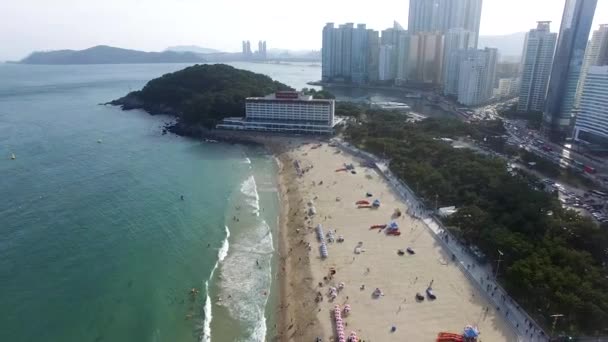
point(470, 332)
point(446, 211)
point(323, 249)
point(320, 235)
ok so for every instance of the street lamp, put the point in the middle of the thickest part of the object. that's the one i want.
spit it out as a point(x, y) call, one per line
point(555, 317)
point(436, 202)
point(500, 254)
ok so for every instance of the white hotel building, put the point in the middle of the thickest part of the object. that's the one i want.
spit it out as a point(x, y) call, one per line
point(285, 111)
point(592, 120)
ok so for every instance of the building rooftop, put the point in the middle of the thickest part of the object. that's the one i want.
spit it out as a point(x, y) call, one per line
point(288, 96)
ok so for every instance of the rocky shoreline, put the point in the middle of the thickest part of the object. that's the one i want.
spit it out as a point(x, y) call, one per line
point(177, 127)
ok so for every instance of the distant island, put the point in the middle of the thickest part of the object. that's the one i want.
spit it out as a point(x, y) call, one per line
point(191, 48)
point(103, 54)
point(200, 96)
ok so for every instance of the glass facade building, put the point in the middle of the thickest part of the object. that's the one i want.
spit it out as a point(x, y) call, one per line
point(592, 119)
point(567, 65)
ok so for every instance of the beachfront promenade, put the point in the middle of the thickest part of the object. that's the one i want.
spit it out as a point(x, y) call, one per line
point(481, 276)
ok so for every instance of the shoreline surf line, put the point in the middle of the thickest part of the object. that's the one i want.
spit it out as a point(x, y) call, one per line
point(207, 310)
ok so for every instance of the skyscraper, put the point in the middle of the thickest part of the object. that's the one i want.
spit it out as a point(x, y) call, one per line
point(247, 54)
point(337, 52)
point(452, 75)
point(359, 54)
point(347, 49)
point(403, 50)
point(373, 55)
point(567, 64)
point(386, 70)
point(425, 60)
point(456, 39)
point(536, 67)
point(261, 54)
point(348, 52)
point(592, 120)
point(467, 14)
point(328, 52)
point(442, 15)
point(595, 54)
point(338, 55)
point(477, 76)
point(392, 36)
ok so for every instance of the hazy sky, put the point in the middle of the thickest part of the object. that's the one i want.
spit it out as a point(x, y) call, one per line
point(152, 25)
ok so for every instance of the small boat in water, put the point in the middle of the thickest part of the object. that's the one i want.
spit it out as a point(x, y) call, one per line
point(13, 156)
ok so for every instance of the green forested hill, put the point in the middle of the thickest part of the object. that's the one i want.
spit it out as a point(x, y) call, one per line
point(201, 94)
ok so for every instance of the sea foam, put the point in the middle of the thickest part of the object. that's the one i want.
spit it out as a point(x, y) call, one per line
point(221, 255)
point(249, 189)
point(245, 274)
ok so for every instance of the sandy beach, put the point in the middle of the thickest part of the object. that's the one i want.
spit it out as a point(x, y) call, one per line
point(303, 273)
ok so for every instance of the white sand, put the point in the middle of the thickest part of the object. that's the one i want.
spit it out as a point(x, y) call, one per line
point(399, 277)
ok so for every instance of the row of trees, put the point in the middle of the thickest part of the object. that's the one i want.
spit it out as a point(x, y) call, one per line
point(554, 259)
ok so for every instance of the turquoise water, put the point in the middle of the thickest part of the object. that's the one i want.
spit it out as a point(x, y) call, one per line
point(95, 242)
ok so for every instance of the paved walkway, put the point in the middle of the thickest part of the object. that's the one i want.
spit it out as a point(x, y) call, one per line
point(482, 276)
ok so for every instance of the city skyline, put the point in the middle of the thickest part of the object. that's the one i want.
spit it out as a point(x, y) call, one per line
point(76, 25)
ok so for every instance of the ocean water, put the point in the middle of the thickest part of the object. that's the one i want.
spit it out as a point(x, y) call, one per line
point(96, 243)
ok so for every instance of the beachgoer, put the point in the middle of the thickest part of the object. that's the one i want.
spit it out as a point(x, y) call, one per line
point(182, 197)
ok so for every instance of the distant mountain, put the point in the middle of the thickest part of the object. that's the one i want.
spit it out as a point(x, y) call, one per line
point(507, 45)
point(109, 55)
point(191, 48)
point(294, 53)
